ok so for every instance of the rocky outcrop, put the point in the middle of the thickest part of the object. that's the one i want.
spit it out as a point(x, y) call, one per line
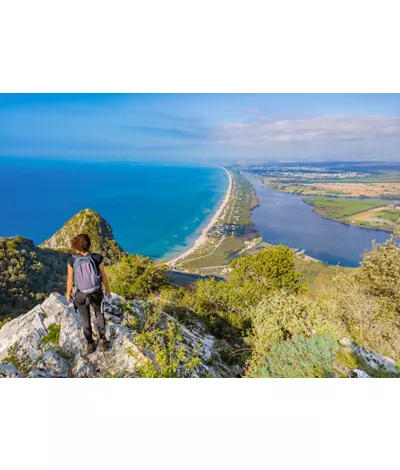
point(48, 342)
point(370, 358)
point(94, 225)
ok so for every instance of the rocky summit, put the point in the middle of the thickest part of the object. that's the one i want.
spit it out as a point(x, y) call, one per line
point(47, 342)
point(93, 224)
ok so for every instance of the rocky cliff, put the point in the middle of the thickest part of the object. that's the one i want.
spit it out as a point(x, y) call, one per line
point(99, 230)
point(48, 342)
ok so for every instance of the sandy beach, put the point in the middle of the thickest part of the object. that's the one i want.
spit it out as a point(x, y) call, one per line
point(199, 241)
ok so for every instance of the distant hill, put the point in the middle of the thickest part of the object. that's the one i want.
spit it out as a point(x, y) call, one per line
point(93, 224)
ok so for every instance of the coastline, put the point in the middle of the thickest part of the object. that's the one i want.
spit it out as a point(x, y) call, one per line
point(202, 238)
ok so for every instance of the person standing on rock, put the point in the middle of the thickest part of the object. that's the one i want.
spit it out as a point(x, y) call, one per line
point(86, 274)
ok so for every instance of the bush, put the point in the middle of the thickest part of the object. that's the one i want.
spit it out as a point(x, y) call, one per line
point(53, 336)
point(380, 270)
point(365, 305)
point(253, 278)
point(162, 339)
point(137, 277)
point(282, 316)
point(301, 358)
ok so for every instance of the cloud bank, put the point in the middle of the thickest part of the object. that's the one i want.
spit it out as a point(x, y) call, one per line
point(331, 128)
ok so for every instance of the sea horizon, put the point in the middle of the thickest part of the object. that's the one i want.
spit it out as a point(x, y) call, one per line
point(155, 209)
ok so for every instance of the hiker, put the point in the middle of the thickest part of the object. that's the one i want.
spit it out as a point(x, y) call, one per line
point(85, 276)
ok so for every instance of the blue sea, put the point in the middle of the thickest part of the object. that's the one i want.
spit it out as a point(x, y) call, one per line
point(157, 210)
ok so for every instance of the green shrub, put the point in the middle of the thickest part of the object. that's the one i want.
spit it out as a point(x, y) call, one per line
point(53, 336)
point(364, 305)
point(4, 321)
point(253, 278)
point(282, 316)
point(19, 358)
point(162, 340)
point(137, 277)
point(300, 358)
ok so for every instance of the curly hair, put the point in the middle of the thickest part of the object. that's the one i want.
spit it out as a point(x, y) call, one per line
point(81, 243)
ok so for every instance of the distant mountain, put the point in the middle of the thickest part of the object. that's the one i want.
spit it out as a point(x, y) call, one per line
point(93, 224)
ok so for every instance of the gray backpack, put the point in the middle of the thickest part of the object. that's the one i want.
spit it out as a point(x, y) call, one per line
point(87, 278)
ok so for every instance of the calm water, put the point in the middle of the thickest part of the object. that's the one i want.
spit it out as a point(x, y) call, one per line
point(286, 219)
point(155, 210)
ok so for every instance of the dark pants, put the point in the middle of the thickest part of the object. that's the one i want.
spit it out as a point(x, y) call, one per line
point(83, 302)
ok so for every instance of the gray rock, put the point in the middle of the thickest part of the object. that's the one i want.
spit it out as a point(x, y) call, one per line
point(360, 374)
point(54, 363)
point(373, 359)
point(123, 357)
point(84, 369)
point(8, 371)
point(40, 374)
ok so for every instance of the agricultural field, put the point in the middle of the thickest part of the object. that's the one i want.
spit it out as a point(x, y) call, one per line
point(359, 189)
point(362, 213)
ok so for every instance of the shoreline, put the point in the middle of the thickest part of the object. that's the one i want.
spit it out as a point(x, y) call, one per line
point(202, 238)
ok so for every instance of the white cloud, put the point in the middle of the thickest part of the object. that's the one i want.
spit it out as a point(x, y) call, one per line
point(333, 128)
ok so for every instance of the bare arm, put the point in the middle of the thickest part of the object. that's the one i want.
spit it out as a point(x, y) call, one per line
point(104, 278)
point(70, 282)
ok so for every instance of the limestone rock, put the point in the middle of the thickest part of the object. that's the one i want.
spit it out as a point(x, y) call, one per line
point(373, 359)
point(360, 374)
point(8, 371)
point(25, 341)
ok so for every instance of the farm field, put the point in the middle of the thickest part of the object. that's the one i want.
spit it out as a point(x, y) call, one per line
point(367, 190)
point(362, 213)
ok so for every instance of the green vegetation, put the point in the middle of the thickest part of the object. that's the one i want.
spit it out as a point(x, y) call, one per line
point(137, 277)
point(364, 304)
point(98, 229)
point(340, 208)
point(252, 278)
point(316, 276)
point(53, 336)
point(301, 358)
point(3, 322)
point(163, 343)
point(356, 212)
point(19, 358)
point(28, 274)
point(390, 214)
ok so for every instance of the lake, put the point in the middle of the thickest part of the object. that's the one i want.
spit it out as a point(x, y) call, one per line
point(285, 219)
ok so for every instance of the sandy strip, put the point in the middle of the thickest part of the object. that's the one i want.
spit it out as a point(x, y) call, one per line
point(205, 231)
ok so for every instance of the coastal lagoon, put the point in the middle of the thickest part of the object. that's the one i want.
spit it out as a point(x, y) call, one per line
point(157, 210)
point(285, 219)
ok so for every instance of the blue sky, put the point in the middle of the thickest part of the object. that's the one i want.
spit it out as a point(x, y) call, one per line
point(201, 127)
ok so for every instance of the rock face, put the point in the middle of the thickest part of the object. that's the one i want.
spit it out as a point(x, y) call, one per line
point(48, 342)
point(371, 358)
point(98, 229)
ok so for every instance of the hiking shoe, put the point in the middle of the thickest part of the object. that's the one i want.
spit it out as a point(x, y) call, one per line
point(90, 348)
point(103, 345)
